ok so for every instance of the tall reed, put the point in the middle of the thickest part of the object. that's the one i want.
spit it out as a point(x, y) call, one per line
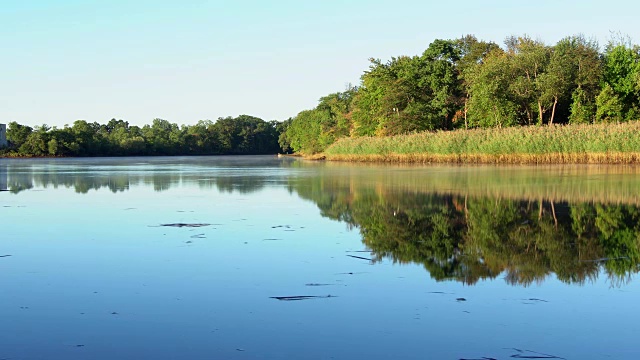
point(599, 143)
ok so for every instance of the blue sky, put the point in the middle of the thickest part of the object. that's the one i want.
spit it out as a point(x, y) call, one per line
point(184, 61)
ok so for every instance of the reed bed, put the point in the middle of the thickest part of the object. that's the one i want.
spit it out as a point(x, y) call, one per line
point(566, 144)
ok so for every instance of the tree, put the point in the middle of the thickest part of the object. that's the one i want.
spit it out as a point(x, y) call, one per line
point(491, 102)
point(311, 131)
point(409, 94)
point(587, 67)
point(17, 134)
point(472, 55)
point(530, 60)
point(610, 106)
point(621, 73)
point(36, 142)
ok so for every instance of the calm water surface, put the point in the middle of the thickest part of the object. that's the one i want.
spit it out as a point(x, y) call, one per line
point(383, 262)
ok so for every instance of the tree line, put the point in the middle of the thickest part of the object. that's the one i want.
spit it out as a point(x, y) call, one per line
point(470, 83)
point(241, 135)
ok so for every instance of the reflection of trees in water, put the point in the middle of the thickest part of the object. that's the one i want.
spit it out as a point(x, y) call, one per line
point(231, 184)
point(82, 183)
point(457, 237)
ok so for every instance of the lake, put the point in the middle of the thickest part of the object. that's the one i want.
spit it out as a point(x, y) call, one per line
point(280, 258)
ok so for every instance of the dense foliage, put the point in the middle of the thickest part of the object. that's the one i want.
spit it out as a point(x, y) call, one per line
point(469, 83)
point(241, 135)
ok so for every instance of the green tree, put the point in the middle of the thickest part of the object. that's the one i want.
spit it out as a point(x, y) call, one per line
point(529, 61)
point(472, 55)
point(36, 142)
point(17, 134)
point(491, 102)
point(610, 108)
point(311, 131)
point(410, 94)
point(621, 73)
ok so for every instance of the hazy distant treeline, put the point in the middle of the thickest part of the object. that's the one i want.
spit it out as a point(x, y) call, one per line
point(241, 135)
point(470, 83)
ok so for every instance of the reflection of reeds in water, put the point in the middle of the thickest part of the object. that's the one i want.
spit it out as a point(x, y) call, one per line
point(570, 183)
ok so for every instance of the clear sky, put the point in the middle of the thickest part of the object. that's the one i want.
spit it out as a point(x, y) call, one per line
point(64, 60)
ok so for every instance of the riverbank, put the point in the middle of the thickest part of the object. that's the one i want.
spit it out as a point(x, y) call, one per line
point(569, 144)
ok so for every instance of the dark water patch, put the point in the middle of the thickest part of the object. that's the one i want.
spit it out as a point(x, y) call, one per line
point(301, 297)
point(461, 299)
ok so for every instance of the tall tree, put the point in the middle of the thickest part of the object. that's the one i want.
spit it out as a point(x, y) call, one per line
point(409, 93)
point(621, 69)
point(472, 54)
point(530, 59)
point(491, 102)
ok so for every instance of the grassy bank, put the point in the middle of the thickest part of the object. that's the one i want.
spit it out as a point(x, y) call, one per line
point(601, 143)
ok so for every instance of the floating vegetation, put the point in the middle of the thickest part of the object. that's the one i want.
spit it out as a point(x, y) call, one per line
point(181, 225)
point(528, 354)
point(360, 257)
point(303, 297)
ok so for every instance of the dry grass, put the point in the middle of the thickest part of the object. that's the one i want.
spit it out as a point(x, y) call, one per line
point(551, 158)
point(576, 144)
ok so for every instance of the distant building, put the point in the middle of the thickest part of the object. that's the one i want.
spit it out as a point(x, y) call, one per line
point(3, 135)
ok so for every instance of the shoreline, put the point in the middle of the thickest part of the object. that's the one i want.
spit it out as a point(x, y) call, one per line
point(610, 158)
